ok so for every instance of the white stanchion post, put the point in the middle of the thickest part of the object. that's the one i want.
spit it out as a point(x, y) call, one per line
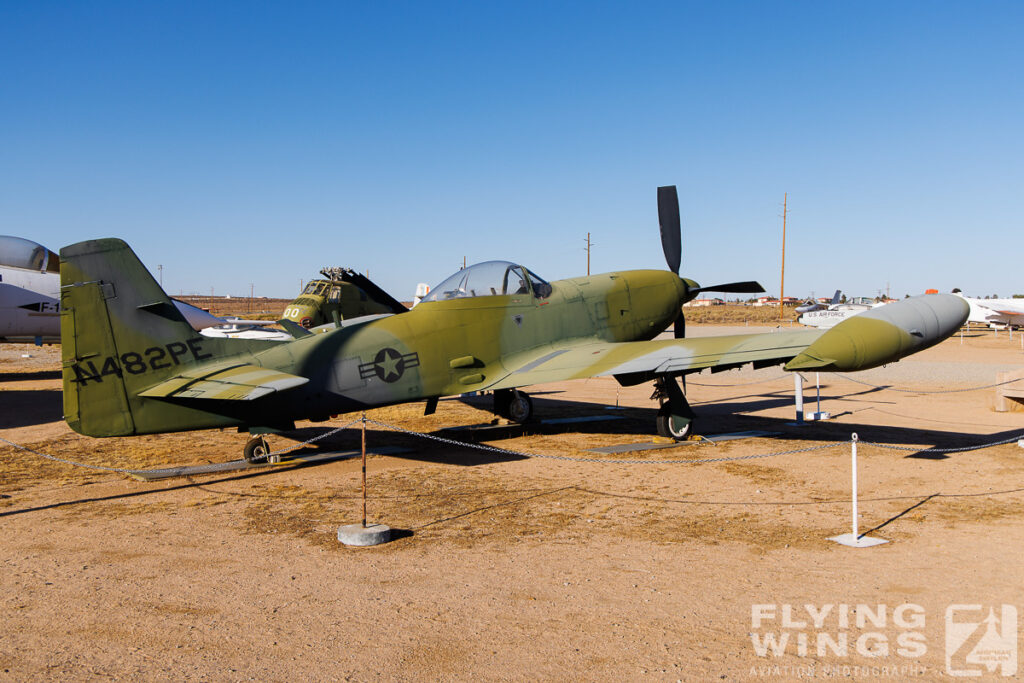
point(817, 391)
point(855, 540)
point(818, 415)
point(853, 470)
point(798, 387)
point(798, 391)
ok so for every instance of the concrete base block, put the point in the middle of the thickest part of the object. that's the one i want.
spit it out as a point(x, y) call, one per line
point(857, 541)
point(357, 534)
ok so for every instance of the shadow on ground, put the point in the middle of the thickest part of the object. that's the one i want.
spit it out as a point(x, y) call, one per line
point(20, 408)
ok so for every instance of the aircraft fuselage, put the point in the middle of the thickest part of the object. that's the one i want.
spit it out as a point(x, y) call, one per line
point(29, 306)
point(444, 348)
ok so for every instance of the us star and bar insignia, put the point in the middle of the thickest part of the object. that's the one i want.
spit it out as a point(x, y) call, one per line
point(389, 365)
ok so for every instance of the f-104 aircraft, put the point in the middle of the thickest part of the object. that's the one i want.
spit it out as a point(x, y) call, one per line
point(30, 299)
point(29, 292)
point(133, 365)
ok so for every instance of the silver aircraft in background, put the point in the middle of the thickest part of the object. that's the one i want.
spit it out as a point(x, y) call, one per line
point(29, 292)
point(30, 300)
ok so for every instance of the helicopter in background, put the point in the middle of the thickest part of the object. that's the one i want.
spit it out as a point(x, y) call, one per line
point(343, 294)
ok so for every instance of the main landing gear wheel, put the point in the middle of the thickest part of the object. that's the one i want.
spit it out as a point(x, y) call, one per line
point(256, 449)
point(673, 426)
point(675, 417)
point(513, 405)
point(521, 408)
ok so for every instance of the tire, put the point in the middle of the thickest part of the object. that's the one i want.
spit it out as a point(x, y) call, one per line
point(255, 450)
point(673, 426)
point(520, 409)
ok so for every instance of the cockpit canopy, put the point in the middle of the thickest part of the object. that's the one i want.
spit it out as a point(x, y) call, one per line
point(18, 252)
point(330, 290)
point(490, 278)
point(317, 287)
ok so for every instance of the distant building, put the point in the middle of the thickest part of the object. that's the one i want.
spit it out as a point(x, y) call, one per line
point(772, 301)
point(704, 302)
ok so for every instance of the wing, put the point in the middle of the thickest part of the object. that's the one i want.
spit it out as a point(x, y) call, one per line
point(1007, 308)
point(681, 356)
point(237, 382)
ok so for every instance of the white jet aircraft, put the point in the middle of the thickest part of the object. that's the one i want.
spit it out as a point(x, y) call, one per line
point(996, 313)
point(837, 312)
point(29, 292)
point(30, 300)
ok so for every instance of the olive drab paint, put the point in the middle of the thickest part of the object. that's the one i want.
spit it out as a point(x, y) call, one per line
point(133, 365)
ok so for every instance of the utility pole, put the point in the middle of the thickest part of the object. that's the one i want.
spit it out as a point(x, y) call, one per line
point(463, 263)
point(589, 245)
point(161, 269)
point(782, 284)
point(250, 296)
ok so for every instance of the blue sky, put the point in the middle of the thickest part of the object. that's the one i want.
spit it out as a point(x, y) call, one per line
point(250, 142)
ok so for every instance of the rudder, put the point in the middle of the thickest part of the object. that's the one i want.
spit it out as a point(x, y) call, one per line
point(120, 334)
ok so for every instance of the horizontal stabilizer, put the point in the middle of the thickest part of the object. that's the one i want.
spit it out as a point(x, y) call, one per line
point(224, 383)
point(293, 328)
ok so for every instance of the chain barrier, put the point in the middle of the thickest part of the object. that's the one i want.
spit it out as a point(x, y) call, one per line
point(569, 458)
point(963, 449)
point(125, 470)
point(547, 456)
point(66, 462)
point(923, 391)
point(314, 439)
point(868, 384)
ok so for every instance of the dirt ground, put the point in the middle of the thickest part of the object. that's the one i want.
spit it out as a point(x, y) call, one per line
point(514, 568)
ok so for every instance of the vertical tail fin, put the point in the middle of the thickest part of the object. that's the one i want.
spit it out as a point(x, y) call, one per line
point(120, 334)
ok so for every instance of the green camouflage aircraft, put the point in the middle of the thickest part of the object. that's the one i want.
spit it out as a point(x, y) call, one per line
point(343, 295)
point(133, 365)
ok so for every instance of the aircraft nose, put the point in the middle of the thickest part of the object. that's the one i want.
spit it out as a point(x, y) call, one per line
point(884, 334)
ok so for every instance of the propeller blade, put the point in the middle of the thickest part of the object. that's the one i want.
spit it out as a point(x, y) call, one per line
point(668, 218)
point(749, 287)
point(679, 329)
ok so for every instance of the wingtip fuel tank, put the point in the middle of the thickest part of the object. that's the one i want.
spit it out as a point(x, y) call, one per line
point(884, 334)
